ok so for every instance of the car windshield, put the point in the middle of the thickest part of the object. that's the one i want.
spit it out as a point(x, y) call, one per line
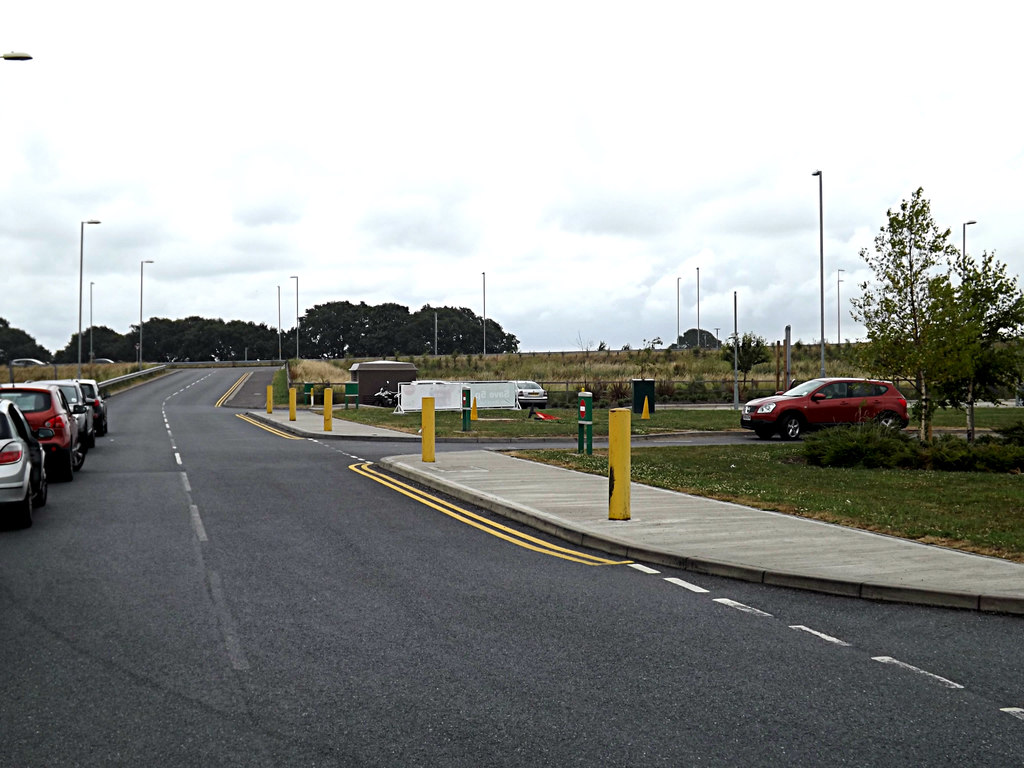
point(529, 385)
point(28, 402)
point(803, 389)
point(71, 393)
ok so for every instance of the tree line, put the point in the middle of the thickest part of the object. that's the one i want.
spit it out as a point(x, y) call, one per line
point(333, 330)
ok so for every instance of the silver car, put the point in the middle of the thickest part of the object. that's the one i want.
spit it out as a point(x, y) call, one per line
point(91, 390)
point(22, 466)
point(530, 393)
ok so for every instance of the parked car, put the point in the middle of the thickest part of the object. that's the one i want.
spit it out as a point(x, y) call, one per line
point(91, 390)
point(825, 402)
point(26, 361)
point(49, 414)
point(530, 393)
point(80, 407)
point(22, 471)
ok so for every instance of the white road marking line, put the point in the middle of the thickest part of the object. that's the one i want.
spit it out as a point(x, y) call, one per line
point(1014, 712)
point(643, 568)
point(740, 606)
point(184, 480)
point(822, 635)
point(197, 522)
point(908, 667)
point(177, 457)
point(687, 585)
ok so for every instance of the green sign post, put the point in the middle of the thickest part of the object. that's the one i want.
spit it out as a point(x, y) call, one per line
point(586, 428)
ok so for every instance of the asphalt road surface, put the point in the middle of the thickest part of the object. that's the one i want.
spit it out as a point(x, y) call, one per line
point(208, 593)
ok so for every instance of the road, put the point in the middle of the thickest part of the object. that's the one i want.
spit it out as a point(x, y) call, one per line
point(208, 593)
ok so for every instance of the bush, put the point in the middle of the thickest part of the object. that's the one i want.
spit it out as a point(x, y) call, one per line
point(866, 445)
point(1013, 434)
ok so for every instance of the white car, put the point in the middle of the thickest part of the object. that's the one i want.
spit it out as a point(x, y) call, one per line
point(22, 470)
point(530, 393)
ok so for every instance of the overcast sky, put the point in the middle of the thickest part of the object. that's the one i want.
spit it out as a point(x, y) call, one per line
point(583, 155)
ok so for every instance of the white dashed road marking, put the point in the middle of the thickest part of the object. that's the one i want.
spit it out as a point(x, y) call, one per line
point(822, 635)
point(741, 607)
point(688, 585)
point(643, 568)
point(916, 670)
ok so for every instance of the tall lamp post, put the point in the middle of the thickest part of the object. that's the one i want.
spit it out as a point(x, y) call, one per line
point(678, 341)
point(142, 265)
point(839, 310)
point(698, 308)
point(821, 266)
point(279, 323)
point(296, 279)
point(81, 261)
point(92, 352)
point(485, 312)
point(966, 224)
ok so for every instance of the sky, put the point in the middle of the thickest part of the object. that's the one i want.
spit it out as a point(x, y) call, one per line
point(574, 163)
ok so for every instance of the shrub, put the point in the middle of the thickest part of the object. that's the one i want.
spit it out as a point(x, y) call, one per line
point(866, 445)
point(664, 389)
point(1013, 434)
point(618, 392)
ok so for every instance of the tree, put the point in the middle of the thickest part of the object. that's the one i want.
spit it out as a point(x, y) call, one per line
point(751, 350)
point(903, 309)
point(983, 315)
point(15, 343)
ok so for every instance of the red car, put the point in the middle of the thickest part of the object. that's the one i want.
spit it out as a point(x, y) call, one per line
point(45, 407)
point(825, 402)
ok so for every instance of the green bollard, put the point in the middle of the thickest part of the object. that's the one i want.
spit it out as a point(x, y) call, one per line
point(586, 426)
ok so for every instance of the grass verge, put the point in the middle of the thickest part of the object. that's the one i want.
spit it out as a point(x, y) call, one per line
point(974, 512)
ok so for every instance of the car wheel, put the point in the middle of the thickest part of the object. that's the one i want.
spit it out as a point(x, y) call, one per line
point(23, 511)
point(60, 465)
point(103, 426)
point(763, 433)
point(792, 426)
point(77, 457)
point(44, 489)
point(890, 420)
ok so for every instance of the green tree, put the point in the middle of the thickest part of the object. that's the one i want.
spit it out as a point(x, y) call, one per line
point(751, 350)
point(902, 309)
point(984, 317)
point(15, 343)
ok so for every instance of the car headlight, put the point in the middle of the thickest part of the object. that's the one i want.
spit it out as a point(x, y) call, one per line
point(766, 408)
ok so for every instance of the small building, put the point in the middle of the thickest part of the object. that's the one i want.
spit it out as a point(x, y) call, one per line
point(380, 373)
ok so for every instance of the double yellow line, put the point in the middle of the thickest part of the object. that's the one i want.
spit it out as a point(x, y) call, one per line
point(249, 420)
point(482, 523)
point(234, 388)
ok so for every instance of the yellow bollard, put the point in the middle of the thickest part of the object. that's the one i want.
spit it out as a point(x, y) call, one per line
point(647, 411)
point(291, 404)
point(472, 411)
point(328, 409)
point(427, 429)
point(270, 398)
point(618, 463)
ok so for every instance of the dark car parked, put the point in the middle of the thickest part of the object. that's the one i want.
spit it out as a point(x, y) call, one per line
point(825, 402)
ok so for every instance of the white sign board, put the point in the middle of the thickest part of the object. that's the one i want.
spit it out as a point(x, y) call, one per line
point(448, 394)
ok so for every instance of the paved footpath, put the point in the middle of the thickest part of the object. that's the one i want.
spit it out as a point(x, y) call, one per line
point(698, 534)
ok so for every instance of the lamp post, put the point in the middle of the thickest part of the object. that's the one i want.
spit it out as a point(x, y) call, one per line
point(142, 265)
point(485, 312)
point(698, 308)
point(821, 266)
point(678, 341)
point(839, 311)
point(81, 261)
point(92, 353)
point(279, 323)
point(296, 279)
point(966, 224)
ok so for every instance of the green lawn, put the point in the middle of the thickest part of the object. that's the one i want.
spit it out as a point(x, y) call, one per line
point(971, 511)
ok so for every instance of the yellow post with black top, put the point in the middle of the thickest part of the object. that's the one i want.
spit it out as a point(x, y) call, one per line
point(618, 463)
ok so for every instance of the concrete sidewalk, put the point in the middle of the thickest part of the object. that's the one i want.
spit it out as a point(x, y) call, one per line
point(702, 535)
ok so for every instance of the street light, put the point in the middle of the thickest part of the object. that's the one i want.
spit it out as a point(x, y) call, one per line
point(485, 312)
point(279, 323)
point(966, 223)
point(839, 311)
point(678, 342)
point(296, 279)
point(81, 252)
point(698, 308)
point(92, 353)
point(821, 246)
point(142, 264)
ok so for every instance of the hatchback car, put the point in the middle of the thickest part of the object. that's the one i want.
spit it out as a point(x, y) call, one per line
point(530, 393)
point(22, 471)
point(825, 402)
point(46, 408)
point(80, 407)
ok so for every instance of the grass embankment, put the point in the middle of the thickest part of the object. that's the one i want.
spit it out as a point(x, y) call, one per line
point(975, 512)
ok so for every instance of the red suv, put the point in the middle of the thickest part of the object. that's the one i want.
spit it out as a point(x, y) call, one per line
point(45, 407)
point(825, 402)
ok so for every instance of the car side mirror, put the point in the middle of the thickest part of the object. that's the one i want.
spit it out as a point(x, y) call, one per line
point(78, 408)
point(44, 433)
point(817, 397)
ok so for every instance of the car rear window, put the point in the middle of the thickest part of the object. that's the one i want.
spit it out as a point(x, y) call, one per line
point(28, 402)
